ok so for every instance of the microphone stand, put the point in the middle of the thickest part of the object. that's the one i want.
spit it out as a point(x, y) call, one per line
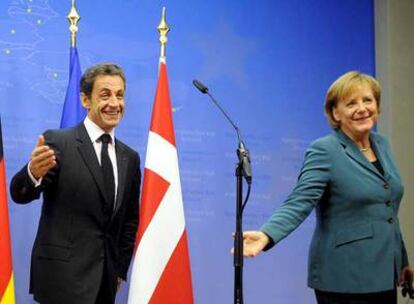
point(243, 169)
point(238, 237)
point(242, 155)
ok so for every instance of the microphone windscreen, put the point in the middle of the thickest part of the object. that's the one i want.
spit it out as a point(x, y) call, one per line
point(201, 87)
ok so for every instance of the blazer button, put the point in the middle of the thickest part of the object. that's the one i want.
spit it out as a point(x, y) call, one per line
point(388, 203)
point(390, 220)
point(386, 186)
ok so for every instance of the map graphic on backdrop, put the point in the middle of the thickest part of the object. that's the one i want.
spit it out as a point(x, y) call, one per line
point(268, 64)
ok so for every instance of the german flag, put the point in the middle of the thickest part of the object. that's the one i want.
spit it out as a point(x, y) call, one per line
point(6, 269)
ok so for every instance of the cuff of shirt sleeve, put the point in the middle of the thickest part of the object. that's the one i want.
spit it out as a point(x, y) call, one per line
point(270, 244)
point(35, 182)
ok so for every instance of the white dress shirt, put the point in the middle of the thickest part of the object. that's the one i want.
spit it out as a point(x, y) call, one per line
point(95, 132)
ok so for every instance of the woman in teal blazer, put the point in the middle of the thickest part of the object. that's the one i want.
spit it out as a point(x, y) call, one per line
point(357, 254)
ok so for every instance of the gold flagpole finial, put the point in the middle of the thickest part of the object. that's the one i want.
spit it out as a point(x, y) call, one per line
point(163, 28)
point(73, 18)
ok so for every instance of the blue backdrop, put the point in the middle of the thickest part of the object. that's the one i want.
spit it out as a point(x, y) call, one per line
point(269, 62)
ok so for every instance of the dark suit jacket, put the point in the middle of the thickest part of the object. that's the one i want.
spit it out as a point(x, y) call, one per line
point(81, 240)
point(357, 245)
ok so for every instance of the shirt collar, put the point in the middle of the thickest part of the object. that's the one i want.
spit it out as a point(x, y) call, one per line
point(94, 131)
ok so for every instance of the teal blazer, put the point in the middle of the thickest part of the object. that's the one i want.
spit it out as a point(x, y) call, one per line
point(357, 245)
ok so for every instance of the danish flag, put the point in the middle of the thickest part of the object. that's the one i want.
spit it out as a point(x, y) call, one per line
point(161, 268)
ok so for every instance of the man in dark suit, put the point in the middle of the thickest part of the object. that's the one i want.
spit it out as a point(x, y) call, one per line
point(90, 183)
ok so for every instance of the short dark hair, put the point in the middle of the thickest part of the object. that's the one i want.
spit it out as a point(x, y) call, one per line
point(101, 69)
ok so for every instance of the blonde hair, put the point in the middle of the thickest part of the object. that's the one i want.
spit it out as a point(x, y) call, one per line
point(342, 86)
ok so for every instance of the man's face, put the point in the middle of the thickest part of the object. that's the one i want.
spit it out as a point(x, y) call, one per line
point(106, 104)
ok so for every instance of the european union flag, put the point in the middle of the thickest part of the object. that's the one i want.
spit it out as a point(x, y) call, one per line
point(73, 112)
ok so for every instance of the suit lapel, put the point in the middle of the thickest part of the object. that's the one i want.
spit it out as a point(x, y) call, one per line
point(122, 162)
point(87, 151)
point(380, 150)
point(353, 152)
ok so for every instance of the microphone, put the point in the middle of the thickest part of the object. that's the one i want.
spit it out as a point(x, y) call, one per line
point(242, 152)
point(201, 87)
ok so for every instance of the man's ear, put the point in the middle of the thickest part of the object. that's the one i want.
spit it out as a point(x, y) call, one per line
point(86, 103)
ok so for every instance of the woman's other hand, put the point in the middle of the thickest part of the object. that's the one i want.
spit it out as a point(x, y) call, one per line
point(407, 274)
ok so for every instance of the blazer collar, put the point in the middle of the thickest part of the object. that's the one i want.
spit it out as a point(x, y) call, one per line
point(352, 150)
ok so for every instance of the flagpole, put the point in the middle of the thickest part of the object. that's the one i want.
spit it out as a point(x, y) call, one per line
point(73, 18)
point(163, 28)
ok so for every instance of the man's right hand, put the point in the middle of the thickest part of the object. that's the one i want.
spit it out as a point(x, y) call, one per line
point(43, 159)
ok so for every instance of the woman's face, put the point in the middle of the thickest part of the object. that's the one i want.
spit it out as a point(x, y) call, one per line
point(357, 112)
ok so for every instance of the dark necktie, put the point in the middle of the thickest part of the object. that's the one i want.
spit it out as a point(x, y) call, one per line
point(107, 169)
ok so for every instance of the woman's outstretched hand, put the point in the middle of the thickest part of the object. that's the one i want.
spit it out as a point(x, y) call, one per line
point(253, 243)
